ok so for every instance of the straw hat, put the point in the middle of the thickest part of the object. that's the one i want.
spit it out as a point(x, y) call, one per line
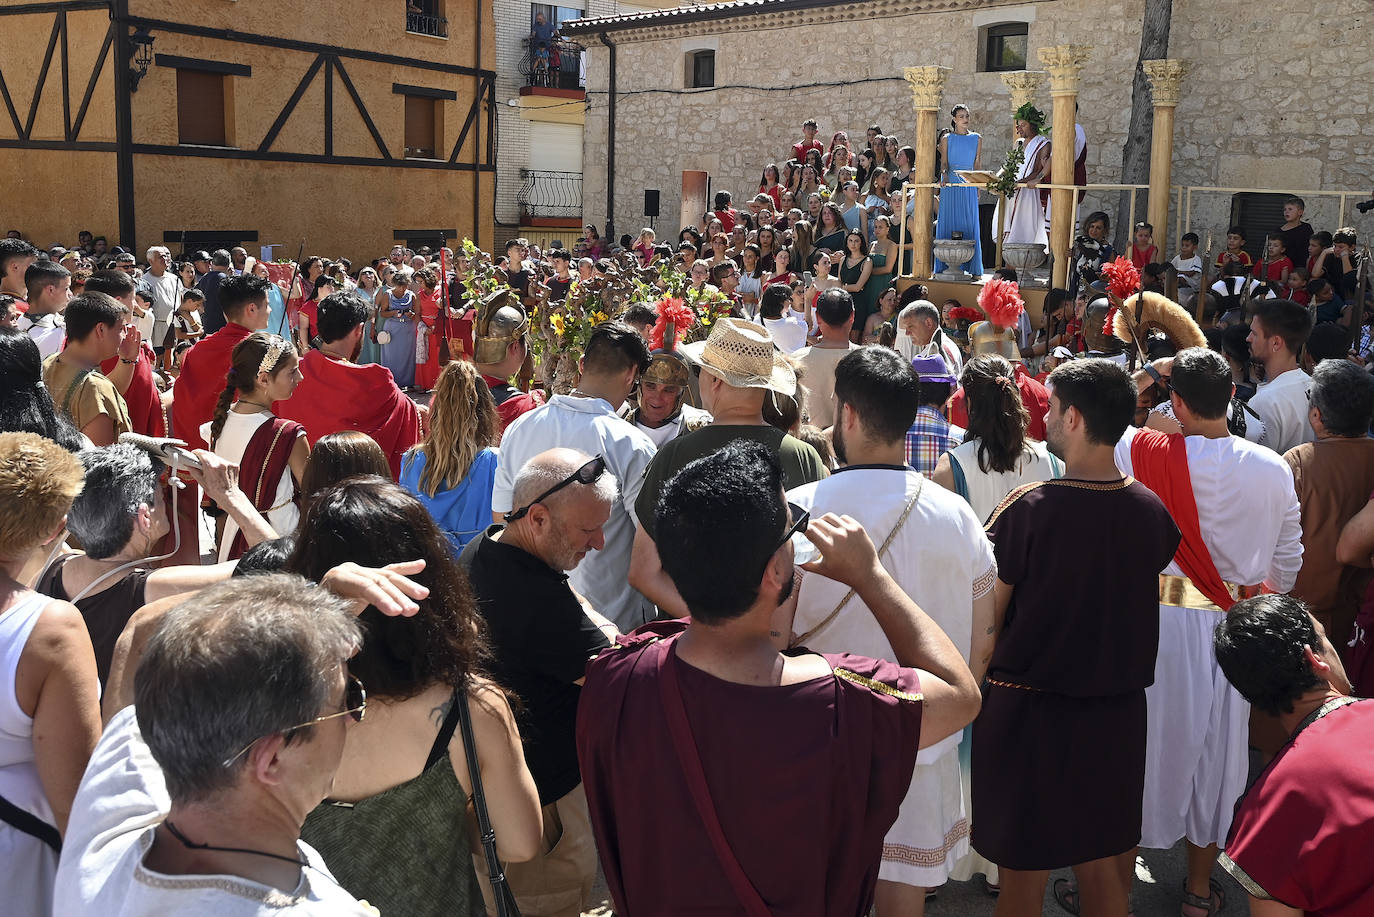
point(742, 354)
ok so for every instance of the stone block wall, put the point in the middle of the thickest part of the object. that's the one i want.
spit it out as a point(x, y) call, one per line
point(1257, 108)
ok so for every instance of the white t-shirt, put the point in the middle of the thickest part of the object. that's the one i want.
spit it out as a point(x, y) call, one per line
point(1282, 404)
point(818, 379)
point(121, 801)
point(1183, 266)
point(788, 332)
point(47, 331)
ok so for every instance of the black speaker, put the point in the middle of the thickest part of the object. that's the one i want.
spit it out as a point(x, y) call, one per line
point(651, 202)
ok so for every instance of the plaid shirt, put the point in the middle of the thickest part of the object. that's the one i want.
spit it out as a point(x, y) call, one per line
point(930, 437)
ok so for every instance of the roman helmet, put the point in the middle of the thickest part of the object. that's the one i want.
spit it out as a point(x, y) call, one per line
point(500, 322)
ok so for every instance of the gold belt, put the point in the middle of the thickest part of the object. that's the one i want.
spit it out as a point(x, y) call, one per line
point(1179, 592)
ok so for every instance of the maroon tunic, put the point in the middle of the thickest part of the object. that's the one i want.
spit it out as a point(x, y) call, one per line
point(806, 780)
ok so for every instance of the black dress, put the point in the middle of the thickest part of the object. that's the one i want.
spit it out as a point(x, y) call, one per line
point(1058, 753)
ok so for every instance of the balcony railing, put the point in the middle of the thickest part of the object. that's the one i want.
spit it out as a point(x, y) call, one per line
point(550, 194)
point(422, 23)
point(559, 66)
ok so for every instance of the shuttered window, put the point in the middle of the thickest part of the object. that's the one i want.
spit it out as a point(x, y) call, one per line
point(420, 140)
point(200, 108)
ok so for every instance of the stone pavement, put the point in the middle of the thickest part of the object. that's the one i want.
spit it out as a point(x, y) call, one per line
point(1157, 892)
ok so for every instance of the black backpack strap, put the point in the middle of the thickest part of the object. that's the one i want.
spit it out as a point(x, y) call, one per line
point(30, 824)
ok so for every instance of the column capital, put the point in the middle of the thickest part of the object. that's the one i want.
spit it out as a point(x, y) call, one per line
point(1023, 85)
point(1065, 65)
point(927, 84)
point(1166, 80)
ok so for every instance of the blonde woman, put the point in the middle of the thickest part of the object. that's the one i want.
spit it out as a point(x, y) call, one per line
point(453, 470)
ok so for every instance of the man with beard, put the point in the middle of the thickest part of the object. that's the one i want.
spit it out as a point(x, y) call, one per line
point(694, 765)
point(336, 394)
point(1077, 633)
point(542, 635)
point(937, 553)
point(661, 409)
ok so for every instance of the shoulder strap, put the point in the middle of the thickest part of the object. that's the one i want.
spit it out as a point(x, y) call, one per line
point(439, 749)
point(503, 393)
point(30, 824)
point(71, 390)
point(957, 469)
point(688, 756)
point(505, 900)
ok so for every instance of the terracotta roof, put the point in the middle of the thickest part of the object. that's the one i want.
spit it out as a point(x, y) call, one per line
point(705, 12)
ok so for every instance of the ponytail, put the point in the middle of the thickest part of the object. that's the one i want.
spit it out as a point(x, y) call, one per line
point(226, 398)
point(997, 417)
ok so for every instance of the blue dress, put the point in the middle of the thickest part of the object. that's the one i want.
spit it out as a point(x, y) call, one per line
point(959, 202)
point(371, 351)
point(276, 312)
point(462, 512)
point(398, 354)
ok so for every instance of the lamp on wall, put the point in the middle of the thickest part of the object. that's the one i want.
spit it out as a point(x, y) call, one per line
point(141, 58)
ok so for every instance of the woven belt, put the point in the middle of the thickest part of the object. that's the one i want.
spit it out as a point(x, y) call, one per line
point(1179, 592)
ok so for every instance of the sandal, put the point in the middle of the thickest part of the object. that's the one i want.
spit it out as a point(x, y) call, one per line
point(1066, 896)
point(1204, 906)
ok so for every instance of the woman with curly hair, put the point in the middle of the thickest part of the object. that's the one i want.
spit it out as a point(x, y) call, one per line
point(453, 470)
point(395, 829)
point(996, 456)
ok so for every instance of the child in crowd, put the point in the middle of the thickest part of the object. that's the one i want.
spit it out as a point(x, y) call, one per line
point(1295, 233)
point(1319, 243)
point(1276, 264)
point(1188, 263)
point(1143, 249)
point(144, 319)
point(1235, 250)
point(1297, 286)
point(185, 326)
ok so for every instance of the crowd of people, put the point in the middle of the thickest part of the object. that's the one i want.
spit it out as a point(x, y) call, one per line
point(811, 610)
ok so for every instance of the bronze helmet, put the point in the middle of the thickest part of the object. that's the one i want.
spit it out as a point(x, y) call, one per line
point(666, 367)
point(500, 322)
point(985, 337)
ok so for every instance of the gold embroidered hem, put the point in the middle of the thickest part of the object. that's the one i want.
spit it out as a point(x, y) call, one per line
point(878, 686)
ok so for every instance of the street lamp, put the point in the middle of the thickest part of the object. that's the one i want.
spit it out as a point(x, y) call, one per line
point(141, 43)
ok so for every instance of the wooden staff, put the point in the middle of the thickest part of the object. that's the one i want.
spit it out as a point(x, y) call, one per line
point(443, 330)
point(1263, 272)
point(1204, 281)
point(286, 299)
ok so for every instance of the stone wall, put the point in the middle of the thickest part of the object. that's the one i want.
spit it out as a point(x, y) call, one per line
point(1257, 108)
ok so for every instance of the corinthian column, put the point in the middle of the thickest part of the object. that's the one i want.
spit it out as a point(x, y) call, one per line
point(1065, 66)
point(1166, 80)
point(927, 84)
point(1023, 85)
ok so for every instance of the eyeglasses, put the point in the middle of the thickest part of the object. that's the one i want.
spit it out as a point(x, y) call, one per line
point(589, 473)
point(355, 706)
point(801, 518)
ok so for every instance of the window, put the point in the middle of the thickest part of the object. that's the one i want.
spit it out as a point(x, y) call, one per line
point(1258, 213)
point(554, 15)
point(1004, 47)
point(200, 108)
point(701, 69)
point(421, 133)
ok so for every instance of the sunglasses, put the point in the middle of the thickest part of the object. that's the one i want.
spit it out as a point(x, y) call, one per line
point(589, 473)
point(801, 518)
point(355, 707)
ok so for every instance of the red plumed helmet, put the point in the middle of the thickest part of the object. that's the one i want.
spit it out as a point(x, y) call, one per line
point(1123, 278)
point(674, 313)
point(1001, 301)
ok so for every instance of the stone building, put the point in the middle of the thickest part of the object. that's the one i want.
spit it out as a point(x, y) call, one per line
point(1264, 105)
point(350, 125)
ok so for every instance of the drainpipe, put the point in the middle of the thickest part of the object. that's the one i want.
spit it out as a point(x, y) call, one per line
point(609, 231)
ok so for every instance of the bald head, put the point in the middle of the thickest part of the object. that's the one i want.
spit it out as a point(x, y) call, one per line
point(548, 469)
point(562, 527)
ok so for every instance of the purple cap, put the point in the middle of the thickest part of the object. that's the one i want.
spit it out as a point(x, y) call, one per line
point(933, 369)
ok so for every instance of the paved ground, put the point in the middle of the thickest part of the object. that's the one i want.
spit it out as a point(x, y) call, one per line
point(1157, 892)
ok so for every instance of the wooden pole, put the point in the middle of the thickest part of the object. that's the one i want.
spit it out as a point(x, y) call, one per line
point(1166, 78)
point(1065, 65)
point(927, 83)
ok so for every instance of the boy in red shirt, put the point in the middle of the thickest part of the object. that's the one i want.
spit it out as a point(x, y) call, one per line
point(1235, 249)
point(1143, 249)
point(808, 141)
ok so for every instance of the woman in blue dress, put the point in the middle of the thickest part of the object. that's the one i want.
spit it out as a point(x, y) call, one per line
point(399, 308)
point(370, 288)
point(960, 149)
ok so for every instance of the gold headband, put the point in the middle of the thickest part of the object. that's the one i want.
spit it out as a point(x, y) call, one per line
point(275, 348)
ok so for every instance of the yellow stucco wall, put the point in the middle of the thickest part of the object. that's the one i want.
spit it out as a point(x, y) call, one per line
point(348, 210)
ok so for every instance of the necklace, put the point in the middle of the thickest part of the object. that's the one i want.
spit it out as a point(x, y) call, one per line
point(192, 845)
point(256, 404)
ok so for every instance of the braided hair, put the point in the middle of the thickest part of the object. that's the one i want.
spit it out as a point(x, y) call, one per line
point(242, 378)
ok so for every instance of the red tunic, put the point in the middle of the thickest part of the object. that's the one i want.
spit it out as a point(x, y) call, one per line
point(828, 765)
point(427, 373)
point(336, 396)
point(203, 375)
point(142, 397)
point(1303, 831)
point(510, 401)
point(1033, 396)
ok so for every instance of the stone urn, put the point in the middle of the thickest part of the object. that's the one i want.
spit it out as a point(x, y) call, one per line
point(953, 252)
point(1025, 257)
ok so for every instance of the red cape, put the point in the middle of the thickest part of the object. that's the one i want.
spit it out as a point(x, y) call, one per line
point(337, 396)
point(1033, 395)
point(142, 397)
point(203, 373)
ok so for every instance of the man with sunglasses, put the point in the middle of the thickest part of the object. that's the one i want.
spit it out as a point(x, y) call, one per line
point(195, 797)
point(798, 761)
point(585, 419)
point(542, 634)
